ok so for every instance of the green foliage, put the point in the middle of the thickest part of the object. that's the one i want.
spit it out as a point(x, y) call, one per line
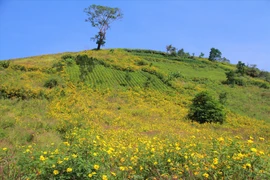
point(264, 75)
point(171, 50)
point(231, 75)
point(142, 63)
point(67, 56)
point(147, 83)
point(4, 64)
point(214, 54)
point(241, 68)
point(223, 98)
point(18, 67)
point(101, 17)
point(235, 79)
point(21, 93)
point(181, 52)
point(59, 66)
point(145, 51)
point(86, 65)
point(206, 109)
point(51, 83)
point(201, 55)
point(224, 60)
point(252, 71)
point(127, 76)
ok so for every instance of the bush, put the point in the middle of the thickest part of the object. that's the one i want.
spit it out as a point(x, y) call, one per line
point(67, 56)
point(4, 64)
point(69, 62)
point(18, 67)
point(141, 63)
point(50, 83)
point(206, 109)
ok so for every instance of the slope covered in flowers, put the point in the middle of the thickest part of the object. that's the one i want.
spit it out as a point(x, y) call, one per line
point(128, 120)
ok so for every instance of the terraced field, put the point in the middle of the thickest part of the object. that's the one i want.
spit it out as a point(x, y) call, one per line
point(128, 119)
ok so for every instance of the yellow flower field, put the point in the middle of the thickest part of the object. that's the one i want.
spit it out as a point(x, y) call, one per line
point(78, 132)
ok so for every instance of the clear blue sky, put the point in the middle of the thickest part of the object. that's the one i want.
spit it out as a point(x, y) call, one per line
point(239, 29)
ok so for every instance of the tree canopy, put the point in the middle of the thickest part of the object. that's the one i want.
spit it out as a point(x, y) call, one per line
point(215, 54)
point(101, 17)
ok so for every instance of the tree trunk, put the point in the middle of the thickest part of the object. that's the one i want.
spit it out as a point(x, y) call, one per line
point(98, 47)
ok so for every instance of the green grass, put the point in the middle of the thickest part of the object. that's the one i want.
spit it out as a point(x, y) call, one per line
point(104, 77)
point(132, 106)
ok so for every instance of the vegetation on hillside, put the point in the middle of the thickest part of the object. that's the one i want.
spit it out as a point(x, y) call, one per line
point(124, 114)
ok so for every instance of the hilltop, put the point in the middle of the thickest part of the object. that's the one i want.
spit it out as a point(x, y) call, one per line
point(123, 114)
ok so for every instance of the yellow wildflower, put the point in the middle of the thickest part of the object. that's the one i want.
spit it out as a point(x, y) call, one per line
point(253, 150)
point(96, 167)
point(66, 143)
point(69, 169)
point(261, 152)
point(104, 177)
point(42, 158)
point(215, 161)
point(74, 155)
point(221, 139)
point(206, 175)
point(113, 173)
point(122, 168)
point(59, 162)
point(4, 149)
point(261, 138)
point(247, 165)
point(27, 150)
point(55, 172)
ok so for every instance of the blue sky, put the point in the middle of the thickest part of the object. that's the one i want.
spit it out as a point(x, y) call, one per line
point(239, 29)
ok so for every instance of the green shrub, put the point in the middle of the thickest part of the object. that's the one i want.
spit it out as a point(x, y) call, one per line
point(58, 66)
point(4, 64)
point(18, 67)
point(21, 93)
point(223, 98)
point(141, 63)
point(206, 109)
point(67, 56)
point(50, 83)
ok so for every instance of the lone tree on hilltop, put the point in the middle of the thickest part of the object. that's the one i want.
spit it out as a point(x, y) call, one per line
point(101, 17)
point(215, 54)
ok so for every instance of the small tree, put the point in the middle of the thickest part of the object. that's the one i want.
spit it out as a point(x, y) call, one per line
point(168, 48)
point(201, 55)
point(241, 68)
point(181, 53)
point(171, 49)
point(214, 54)
point(101, 17)
point(231, 76)
point(206, 109)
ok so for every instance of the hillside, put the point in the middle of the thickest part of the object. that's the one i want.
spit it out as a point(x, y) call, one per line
point(127, 119)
